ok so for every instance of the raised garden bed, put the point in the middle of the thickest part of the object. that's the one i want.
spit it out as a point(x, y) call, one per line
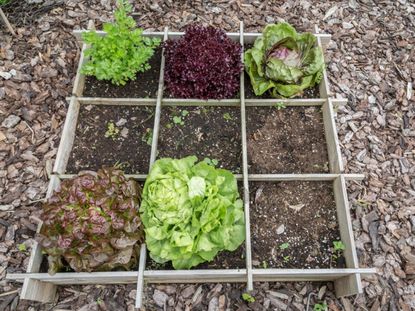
point(325, 171)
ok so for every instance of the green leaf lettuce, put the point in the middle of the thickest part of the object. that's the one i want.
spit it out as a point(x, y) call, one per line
point(190, 212)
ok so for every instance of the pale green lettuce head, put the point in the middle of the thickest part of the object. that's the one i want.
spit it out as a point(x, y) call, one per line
point(284, 61)
point(190, 212)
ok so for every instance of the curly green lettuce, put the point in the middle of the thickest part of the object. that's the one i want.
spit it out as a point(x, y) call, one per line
point(284, 62)
point(190, 212)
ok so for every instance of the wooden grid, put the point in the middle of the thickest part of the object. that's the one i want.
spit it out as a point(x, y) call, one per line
point(42, 286)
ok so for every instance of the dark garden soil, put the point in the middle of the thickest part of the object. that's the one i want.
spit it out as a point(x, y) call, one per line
point(289, 140)
point(144, 86)
point(293, 225)
point(212, 132)
point(223, 260)
point(130, 147)
point(312, 92)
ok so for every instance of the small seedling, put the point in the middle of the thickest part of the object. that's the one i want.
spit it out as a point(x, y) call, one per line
point(320, 306)
point(178, 120)
point(227, 116)
point(211, 162)
point(247, 297)
point(21, 247)
point(287, 258)
point(185, 113)
point(112, 131)
point(264, 264)
point(148, 136)
point(338, 248)
point(169, 125)
point(284, 246)
point(280, 105)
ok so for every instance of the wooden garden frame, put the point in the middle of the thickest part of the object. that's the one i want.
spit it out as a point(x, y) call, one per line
point(42, 287)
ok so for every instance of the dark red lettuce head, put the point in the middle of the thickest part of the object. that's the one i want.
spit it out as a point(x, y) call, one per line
point(205, 63)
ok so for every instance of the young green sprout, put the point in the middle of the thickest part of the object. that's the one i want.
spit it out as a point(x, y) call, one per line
point(211, 162)
point(227, 116)
point(112, 131)
point(247, 297)
point(338, 248)
point(280, 105)
point(148, 136)
point(284, 246)
point(320, 306)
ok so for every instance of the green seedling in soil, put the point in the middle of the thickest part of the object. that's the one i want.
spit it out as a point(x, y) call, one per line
point(280, 105)
point(178, 120)
point(148, 136)
point(287, 258)
point(320, 306)
point(169, 125)
point(247, 297)
point(338, 248)
point(3, 2)
point(284, 246)
point(21, 247)
point(211, 162)
point(185, 113)
point(227, 116)
point(112, 131)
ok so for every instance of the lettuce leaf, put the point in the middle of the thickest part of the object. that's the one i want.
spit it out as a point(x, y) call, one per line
point(190, 212)
point(284, 62)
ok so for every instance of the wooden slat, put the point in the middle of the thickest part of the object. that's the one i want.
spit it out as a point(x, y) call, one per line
point(333, 146)
point(195, 276)
point(250, 284)
point(140, 277)
point(324, 86)
point(117, 101)
point(156, 128)
point(286, 102)
point(7, 23)
point(79, 83)
point(68, 136)
point(200, 102)
point(349, 285)
point(307, 274)
point(305, 177)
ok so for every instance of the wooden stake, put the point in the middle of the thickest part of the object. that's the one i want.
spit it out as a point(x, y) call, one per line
point(6, 22)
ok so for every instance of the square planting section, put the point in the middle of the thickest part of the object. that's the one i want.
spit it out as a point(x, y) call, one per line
point(286, 140)
point(293, 225)
point(144, 86)
point(206, 131)
point(109, 135)
point(285, 154)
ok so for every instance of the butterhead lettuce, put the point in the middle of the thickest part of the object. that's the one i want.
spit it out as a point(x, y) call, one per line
point(283, 61)
point(190, 212)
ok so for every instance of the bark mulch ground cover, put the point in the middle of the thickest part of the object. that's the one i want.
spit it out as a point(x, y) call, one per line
point(287, 140)
point(369, 61)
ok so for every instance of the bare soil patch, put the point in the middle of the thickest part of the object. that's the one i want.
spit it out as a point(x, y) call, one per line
point(289, 140)
point(130, 147)
point(293, 225)
point(212, 132)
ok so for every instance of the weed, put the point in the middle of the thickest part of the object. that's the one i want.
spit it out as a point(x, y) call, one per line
point(247, 297)
point(284, 246)
point(227, 116)
point(279, 106)
point(112, 131)
point(148, 136)
point(320, 306)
